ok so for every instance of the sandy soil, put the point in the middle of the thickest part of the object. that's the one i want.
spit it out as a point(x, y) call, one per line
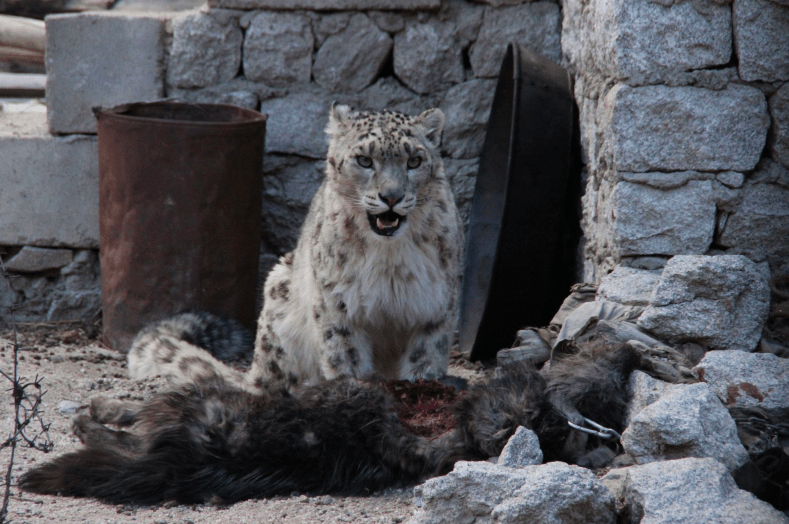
point(73, 368)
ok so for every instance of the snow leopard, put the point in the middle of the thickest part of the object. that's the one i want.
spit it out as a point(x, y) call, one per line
point(371, 289)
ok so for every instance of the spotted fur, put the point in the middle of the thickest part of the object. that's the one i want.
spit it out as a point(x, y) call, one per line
point(372, 286)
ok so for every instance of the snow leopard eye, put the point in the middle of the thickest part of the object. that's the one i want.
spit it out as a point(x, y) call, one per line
point(364, 161)
point(414, 162)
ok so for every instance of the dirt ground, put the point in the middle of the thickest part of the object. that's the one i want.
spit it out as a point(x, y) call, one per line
point(72, 369)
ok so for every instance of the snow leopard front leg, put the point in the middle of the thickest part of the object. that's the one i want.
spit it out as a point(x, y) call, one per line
point(427, 355)
point(344, 349)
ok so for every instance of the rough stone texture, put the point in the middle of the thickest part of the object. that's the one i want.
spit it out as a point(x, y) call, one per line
point(659, 128)
point(204, 51)
point(761, 216)
point(467, 108)
point(278, 49)
point(644, 390)
point(326, 25)
point(778, 139)
point(288, 186)
point(523, 449)
point(628, 286)
point(327, 5)
point(462, 174)
point(649, 221)
point(427, 56)
point(537, 26)
point(33, 259)
point(73, 292)
point(296, 123)
point(746, 379)
point(100, 60)
point(351, 59)
point(760, 29)
point(643, 42)
point(389, 21)
point(698, 490)
point(49, 186)
point(720, 302)
point(688, 421)
point(389, 93)
point(730, 178)
point(481, 492)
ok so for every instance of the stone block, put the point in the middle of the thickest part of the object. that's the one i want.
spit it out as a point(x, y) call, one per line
point(467, 108)
point(34, 259)
point(427, 56)
point(351, 59)
point(650, 221)
point(760, 29)
point(698, 490)
point(296, 123)
point(629, 286)
point(687, 421)
point(481, 492)
point(720, 302)
point(328, 5)
point(742, 379)
point(462, 175)
point(660, 128)
point(642, 41)
point(644, 390)
point(537, 26)
point(49, 186)
point(205, 51)
point(278, 49)
point(289, 184)
point(523, 449)
point(100, 60)
point(761, 216)
point(778, 139)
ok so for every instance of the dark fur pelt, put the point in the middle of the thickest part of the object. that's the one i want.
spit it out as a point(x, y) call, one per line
point(214, 442)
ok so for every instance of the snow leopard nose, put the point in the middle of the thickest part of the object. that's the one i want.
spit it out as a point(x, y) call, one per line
point(391, 198)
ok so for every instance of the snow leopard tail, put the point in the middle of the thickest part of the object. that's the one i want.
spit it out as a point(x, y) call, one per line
point(189, 347)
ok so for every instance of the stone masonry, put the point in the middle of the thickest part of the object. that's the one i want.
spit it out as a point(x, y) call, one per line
point(684, 108)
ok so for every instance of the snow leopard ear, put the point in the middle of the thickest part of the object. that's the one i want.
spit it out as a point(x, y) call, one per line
point(432, 121)
point(339, 117)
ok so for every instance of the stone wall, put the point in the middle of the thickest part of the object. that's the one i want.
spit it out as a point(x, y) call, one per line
point(684, 108)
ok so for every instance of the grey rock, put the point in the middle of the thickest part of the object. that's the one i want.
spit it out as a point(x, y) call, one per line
point(388, 93)
point(698, 490)
point(537, 26)
point(628, 286)
point(289, 184)
point(647, 128)
point(326, 25)
point(427, 56)
point(731, 178)
point(278, 49)
point(665, 180)
point(33, 259)
point(351, 59)
point(644, 390)
point(389, 21)
point(67, 407)
point(50, 191)
point(75, 305)
point(467, 108)
point(760, 216)
point(746, 379)
point(296, 123)
point(779, 132)
point(718, 301)
point(687, 421)
point(650, 221)
point(328, 5)
point(643, 41)
point(100, 60)
point(760, 29)
point(204, 51)
point(481, 492)
point(462, 175)
point(523, 449)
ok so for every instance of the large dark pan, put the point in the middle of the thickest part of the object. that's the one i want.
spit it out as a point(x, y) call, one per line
point(524, 228)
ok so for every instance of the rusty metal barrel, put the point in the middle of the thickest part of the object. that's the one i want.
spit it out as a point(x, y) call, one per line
point(179, 212)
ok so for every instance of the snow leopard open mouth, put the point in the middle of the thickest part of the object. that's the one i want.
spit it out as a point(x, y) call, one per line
point(385, 224)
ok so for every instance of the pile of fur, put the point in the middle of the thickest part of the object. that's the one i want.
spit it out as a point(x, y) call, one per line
point(213, 442)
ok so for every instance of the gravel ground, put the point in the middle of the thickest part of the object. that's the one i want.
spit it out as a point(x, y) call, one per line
point(74, 368)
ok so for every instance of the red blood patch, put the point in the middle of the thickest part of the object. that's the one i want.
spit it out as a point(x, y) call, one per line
point(424, 407)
